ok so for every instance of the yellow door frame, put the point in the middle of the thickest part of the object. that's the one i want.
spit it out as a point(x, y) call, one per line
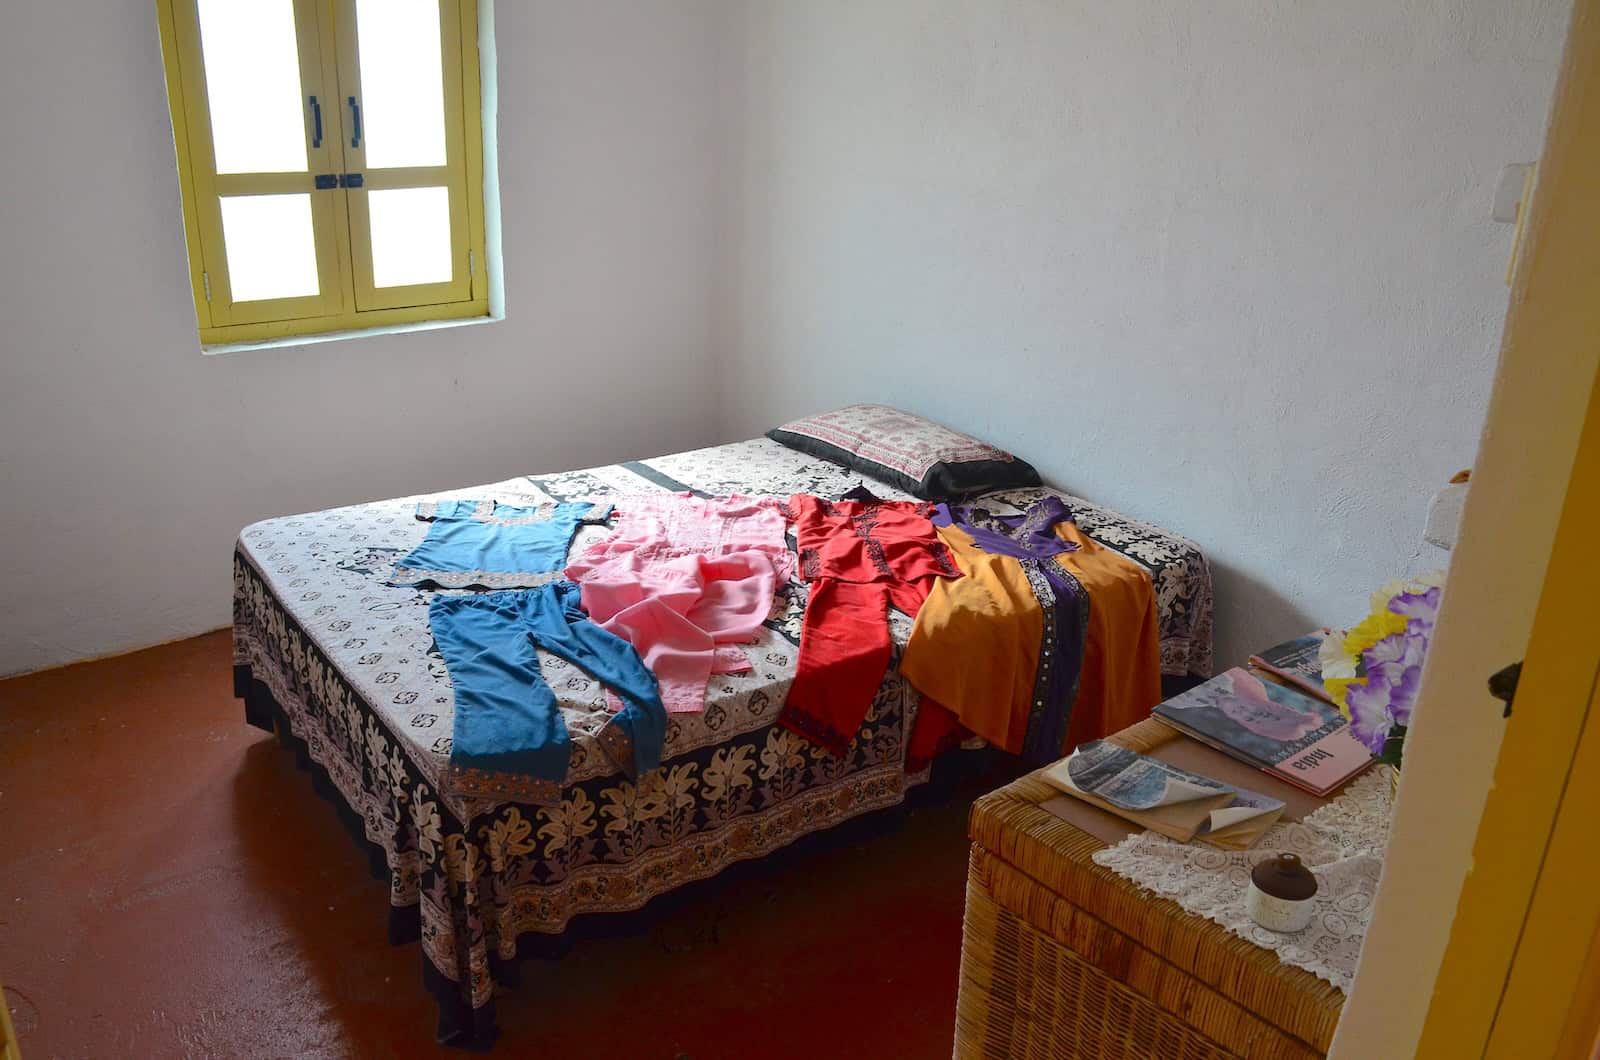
point(1520, 970)
point(9, 1049)
point(1550, 998)
point(1526, 923)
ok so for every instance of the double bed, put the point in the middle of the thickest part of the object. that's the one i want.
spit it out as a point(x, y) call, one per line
point(343, 667)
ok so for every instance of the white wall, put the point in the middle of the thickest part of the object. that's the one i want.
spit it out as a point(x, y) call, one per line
point(129, 462)
point(1227, 267)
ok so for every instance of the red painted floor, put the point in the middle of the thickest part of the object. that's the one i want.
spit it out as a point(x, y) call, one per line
point(170, 885)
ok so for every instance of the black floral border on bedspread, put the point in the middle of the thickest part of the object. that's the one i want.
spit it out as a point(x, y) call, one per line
point(469, 890)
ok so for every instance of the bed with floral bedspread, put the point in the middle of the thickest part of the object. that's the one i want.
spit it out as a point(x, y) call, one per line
point(344, 668)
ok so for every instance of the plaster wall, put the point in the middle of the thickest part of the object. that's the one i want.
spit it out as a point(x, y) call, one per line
point(1226, 268)
point(129, 461)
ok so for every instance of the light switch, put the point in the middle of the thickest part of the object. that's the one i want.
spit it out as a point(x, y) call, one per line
point(1444, 514)
point(1508, 194)
point(1511, 206)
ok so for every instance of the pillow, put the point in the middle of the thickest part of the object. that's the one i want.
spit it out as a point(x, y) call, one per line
point(919, 456)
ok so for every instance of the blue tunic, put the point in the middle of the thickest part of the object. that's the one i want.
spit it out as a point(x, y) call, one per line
point(484, 544)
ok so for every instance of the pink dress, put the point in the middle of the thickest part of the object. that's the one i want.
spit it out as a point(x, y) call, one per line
point(684, 579)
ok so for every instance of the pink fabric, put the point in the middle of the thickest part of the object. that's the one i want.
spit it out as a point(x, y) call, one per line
point(684, 579)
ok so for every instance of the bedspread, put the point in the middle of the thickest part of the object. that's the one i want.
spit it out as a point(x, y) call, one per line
point(346, 669)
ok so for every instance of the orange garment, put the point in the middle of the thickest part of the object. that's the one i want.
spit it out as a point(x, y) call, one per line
point(975, 644)
point(1120, 680)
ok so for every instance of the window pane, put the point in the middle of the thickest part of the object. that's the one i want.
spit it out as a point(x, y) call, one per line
point(410, 236)
point(402, 84)
point(271, 250)
point(253, 83)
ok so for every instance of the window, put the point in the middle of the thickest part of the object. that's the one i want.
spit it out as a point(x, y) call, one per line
point(330, 154)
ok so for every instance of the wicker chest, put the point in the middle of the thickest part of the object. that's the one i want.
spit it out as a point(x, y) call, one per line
point(1063, 958)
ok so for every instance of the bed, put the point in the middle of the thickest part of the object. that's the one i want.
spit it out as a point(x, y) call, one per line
point(343, 668)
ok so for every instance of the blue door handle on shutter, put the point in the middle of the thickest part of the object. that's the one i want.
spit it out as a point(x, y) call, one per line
point(316, 121)
point(355, 119)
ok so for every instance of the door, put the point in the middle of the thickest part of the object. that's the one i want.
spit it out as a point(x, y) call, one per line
point(1520, 974)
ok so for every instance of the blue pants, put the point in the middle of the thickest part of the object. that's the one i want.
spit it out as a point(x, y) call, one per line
point(507, 718)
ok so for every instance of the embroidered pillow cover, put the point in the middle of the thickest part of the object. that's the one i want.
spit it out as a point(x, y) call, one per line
point(923, 458)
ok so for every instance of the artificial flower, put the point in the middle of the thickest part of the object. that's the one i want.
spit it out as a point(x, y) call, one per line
point(1373, 671)
point(1351, 644)
point(1417, 607)
point(1368, 705)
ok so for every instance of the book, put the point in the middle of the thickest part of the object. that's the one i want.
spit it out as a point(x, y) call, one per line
point(1238, 825)
point(1297, 738)
point(1163, 797)
point(1297, 662)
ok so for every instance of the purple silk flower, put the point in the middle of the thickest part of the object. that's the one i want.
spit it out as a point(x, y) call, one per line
point(1393, 669)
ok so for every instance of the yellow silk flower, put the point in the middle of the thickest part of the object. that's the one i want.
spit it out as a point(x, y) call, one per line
point(1376, 626)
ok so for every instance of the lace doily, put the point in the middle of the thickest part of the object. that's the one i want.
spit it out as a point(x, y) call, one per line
point(1342, 842)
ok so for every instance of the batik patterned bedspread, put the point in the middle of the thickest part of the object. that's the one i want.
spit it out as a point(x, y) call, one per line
point(350, 664)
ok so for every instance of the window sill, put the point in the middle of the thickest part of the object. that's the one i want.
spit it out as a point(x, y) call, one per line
point(210, 349)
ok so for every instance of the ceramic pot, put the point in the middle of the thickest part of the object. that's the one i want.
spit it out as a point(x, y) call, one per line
point(1281, 893)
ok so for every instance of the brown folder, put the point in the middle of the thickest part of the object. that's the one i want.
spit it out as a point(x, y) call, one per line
point(1196, 757)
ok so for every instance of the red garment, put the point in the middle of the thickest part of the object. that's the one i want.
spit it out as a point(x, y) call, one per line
point(860, 556)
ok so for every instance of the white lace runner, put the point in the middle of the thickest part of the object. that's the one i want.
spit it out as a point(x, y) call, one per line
point(1342, 842)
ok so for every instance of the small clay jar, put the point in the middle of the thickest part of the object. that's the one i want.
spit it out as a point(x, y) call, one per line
point(1280, 894)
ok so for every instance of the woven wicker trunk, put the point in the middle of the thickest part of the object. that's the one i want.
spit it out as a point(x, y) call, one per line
point(1062, 958)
